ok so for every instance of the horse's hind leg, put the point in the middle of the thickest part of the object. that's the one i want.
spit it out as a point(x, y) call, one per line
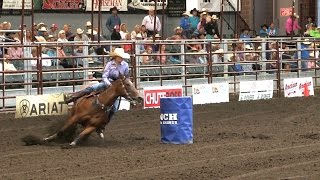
point(71, 121)
point(86, 132)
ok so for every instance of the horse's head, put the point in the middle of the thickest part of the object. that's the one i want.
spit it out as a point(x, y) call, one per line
point(132, 91)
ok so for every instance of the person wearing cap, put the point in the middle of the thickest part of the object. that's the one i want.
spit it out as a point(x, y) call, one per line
point(185, 24)
point(211, 27)
point(113, 20)
point(148, 21)
point(194, 19)
point(53, 31)
point(112, 71)
point(292, 25)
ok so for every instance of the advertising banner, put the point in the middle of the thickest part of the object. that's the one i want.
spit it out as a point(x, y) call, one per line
point(40, 105)
point(107, 5)
point(62, 4)
point(152, 95)
point(298, 87)
point(256, 90)
point(210, 93)
point(16, 4)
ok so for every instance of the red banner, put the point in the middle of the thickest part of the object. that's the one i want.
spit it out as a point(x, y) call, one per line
point(152, 96)
point(62, 4)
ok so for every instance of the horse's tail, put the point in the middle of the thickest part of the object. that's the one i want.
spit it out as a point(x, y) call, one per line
point(30, 140)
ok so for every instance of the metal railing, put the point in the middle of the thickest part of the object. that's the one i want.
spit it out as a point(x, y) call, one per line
point(176, 65)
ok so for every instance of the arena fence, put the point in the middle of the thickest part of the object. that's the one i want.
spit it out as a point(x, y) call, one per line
point(179, 63)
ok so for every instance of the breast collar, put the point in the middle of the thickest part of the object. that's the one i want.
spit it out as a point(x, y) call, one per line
point(102, 106)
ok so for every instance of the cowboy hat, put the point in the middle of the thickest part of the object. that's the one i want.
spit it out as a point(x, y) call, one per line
point(194, 9)
point(120, 53)
point(306, 42)
point(90, 32)
point(186, 13)
point(203, 13)
point(114, 8)
point(88, 23)
point(62, 32)
point(204, 10)
point(214, 17)
point(43, 29)
point(90, 73)
point(40, 39)
point(79, 31)
point(157, 36)
point(178, 28)
point(248, 47)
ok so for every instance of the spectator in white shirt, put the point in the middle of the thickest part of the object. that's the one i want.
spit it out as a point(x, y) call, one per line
point(148, 21)
point(123, 31)
point(44, 58)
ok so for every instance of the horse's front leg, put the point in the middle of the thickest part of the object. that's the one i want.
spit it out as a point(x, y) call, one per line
point(86, 132)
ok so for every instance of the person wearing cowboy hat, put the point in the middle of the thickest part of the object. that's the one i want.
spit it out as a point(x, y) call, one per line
point(211, 27)
point(194, 19)
point(203, 21)
point(292, 25)
point(53, 31)
point(113, 20)
point(112, 71)
point(185, 24)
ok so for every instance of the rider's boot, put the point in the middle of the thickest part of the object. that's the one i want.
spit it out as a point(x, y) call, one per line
point(72, 97)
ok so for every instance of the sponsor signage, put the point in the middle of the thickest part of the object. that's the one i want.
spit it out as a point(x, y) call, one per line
point(286, 11)
point(40, 105)
point(147, 4)
point(106, 5)
point(16, 4)
point(256, 90)
point(210, 93)
point(152, 95)
point(62, 4)
point(297, 87)
point(169, 118)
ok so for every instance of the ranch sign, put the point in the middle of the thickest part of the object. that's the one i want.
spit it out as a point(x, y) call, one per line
point(40, 105)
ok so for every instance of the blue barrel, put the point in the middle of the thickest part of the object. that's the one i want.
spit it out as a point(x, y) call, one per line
point(176, 120)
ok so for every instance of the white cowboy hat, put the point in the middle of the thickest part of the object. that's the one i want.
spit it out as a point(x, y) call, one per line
point(248, 47)
point(186, 14)
point(40, 38)
point(120, 53)
point(88, 23)
point(43, 29)
point(203, 13)
point(62, 32)
point(90, 32)
point(90, 73)
point(306, 41)
point(204, 10)
point(79, 31)
point(157, 36)
point(178, 28)
point(215, 17)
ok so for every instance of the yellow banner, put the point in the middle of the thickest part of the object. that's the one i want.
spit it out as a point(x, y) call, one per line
point(40, 105)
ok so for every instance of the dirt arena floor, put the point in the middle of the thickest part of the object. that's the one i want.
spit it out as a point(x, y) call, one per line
point(273, 139)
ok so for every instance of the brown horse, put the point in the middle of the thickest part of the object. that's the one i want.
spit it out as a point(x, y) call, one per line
point(92, 111)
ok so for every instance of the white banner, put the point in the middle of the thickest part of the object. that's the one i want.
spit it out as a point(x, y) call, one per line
point(16, 4)
point(256, 90)
point(210, 93)
point(296, 87)
point(147, 4)
point(107, 5)
point(40, 105)
point(214, 6)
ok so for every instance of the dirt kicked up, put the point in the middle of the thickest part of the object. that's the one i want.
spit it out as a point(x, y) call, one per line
point(274, 139)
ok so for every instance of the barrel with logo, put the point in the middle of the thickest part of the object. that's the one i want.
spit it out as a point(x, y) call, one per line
point(176, 120)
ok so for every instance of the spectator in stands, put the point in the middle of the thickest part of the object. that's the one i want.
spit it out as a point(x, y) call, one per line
point(235, 68)
point(185, 24)
point(177, 34)
point(45, 59)
point(127, 47)
point(28, 36)
point(140, 47)
point(6, 64)
point(245, 36)
point(211, 27)
point(143, 32)
point(147, 59)
point(80, 36)
point(78, 50)
point(136, 30)
point(314, 32)
point(88, 25)
point(263, 31)
point(62, 36)
point(92, 80)
point(194, 19)
point(203, 20)
point(148, 21)
point(272, 31)
point(162, 59)
point(123, 31)
point(113, 20)
point(116, 33)
point(43, 32)
point(195, 44)
point(247, 67)
point(292, 25)
point(6, 25)
point(10, 37)
point(217, 57)
point(305, 54)
point(309, 22)
point(193, 58)
point(53, 31)
point(68, 33)
point(92, 35)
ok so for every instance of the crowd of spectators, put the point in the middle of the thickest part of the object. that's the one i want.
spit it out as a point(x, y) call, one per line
point(193, 25)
